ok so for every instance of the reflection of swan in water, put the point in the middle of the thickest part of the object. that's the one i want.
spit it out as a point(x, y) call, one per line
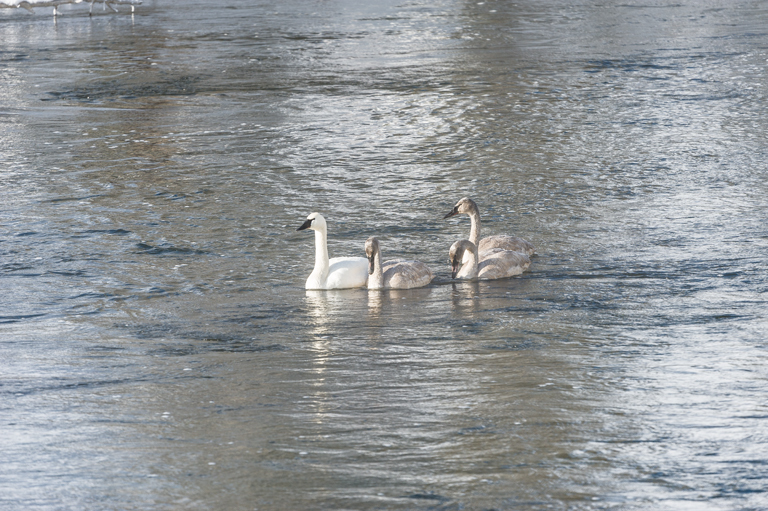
point(322, 307)
point(467, 206)
point(395, 274)
point(336, 273)
point(395, 302)
point(496, 264)
point(465, 298)
point(329, 311)
point(318, 312)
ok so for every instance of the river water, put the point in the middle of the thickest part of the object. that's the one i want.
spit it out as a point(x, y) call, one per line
point(159, 350)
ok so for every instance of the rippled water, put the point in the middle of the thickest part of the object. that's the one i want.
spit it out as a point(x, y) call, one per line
point(159, 350)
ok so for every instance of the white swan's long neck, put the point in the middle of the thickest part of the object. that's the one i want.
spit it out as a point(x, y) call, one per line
point(474, 230)
point(321, 255)
point(376, 279)
point(469, 268)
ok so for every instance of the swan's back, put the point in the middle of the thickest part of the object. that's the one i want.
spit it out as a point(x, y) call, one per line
point(346, 272)
point(402, 274)
point(500, 264)
point(506, 243)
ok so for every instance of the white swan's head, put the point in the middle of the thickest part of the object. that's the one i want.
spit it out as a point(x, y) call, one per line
point(315, 221)
point(456, 255)
point(371, 249)
point(464, 206)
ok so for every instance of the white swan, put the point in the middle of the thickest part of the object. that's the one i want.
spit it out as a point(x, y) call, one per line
point(395, 274)
point(496, 263)
point(336, 273)
point(467, 206)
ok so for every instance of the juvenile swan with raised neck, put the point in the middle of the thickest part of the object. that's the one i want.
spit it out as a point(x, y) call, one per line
point(336, 273)
point(467, 206)
point(395, 274)
point(495, 264)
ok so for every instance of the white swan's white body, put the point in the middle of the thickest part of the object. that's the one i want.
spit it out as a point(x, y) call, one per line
point(467, 206)
point(495, 263)
point(395, 274)
point(336, 273)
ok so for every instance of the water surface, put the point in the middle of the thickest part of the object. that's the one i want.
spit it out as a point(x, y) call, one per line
point(159, 350)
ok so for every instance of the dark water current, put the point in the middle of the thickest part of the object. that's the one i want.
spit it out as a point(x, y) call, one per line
point(158, 350)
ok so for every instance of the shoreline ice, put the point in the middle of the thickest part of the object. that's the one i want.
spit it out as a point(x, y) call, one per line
point(30, 5)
